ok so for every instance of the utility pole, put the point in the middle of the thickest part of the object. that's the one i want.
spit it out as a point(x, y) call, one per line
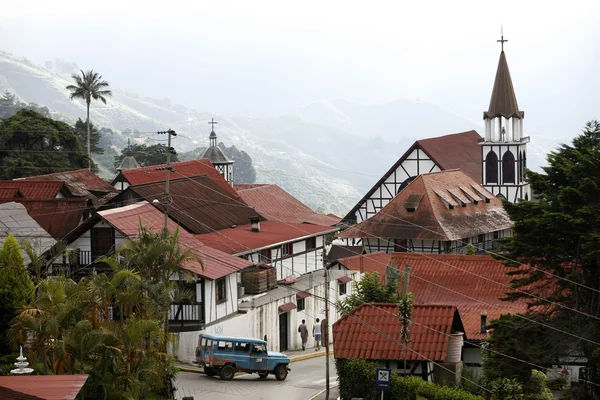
point(170, 150)
point(325, 333)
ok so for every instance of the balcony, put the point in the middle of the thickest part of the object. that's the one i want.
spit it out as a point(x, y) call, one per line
point(185, 317)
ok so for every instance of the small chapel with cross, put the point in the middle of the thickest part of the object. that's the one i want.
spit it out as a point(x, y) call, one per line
point(215, 155)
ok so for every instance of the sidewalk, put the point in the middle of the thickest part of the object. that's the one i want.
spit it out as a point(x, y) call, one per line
point(294, 355)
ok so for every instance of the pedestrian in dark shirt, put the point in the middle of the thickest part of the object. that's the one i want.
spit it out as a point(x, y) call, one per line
point(303, 330)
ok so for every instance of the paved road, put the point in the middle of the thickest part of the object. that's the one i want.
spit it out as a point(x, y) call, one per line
point(304, 380)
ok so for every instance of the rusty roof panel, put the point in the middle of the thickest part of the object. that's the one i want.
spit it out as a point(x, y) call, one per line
point(372, 331)
point(46, 387)
point(199, 204)
point(433, 220)
point(57, 216)
point(275, 204)
point(33, 189)
point(184, 169)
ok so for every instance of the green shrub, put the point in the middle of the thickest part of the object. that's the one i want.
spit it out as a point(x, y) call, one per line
point(357, 379)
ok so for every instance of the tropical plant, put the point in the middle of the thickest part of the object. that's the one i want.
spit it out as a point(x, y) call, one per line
point(369, 290)
point(506, 389)
point(16, 287)
point(89, 86)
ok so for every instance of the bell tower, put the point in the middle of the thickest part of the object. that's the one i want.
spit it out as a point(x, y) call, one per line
point(504, 148)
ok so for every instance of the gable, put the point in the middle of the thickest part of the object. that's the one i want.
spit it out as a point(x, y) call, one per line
point(459, 150)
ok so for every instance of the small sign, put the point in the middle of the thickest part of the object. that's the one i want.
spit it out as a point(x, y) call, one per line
point(383, 377)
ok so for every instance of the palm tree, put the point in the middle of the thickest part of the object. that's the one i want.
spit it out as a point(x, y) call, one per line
point(89, 86)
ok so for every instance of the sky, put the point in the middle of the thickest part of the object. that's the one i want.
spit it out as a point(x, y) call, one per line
point(270, 57)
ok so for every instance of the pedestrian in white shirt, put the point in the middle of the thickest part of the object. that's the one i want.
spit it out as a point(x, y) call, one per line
point(317, 334)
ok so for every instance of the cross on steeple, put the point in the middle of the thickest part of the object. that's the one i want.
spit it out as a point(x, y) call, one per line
point(502, 40)
point(212, 122)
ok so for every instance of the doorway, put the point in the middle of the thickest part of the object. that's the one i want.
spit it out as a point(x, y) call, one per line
point(283, 331)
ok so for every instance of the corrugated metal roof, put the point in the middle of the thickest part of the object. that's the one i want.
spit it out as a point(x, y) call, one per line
point(126, 220)
point(434, 220)
point(372, 331)
point(47, 387)
point(457, 150)
point(242, 239)
point(184, 169)
point(199, 204)
point(33, 189)
point(275, 204)
point(503, 101)
point(81, 182)
point(338, 251)
point(57, 216)
point(15, 220)
point(450, 279)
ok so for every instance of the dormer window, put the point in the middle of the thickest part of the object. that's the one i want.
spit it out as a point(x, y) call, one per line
point(412, 203)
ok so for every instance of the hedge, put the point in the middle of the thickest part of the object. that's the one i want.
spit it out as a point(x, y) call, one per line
point(357, 380)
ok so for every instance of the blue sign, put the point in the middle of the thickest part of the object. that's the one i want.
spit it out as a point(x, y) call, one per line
point(383, 379)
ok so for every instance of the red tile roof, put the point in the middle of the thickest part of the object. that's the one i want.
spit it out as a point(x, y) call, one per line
point(457, 150)
point(199, 204)
point(57, 216)
point(370, 262)
point(451, 279)
point(81, 182)
point(372, 331)
point(184, 169)
point(421, 211)
point(38, 190)
point(242, 239)
point(47, 387)
point(126, 220)
point(275, 204)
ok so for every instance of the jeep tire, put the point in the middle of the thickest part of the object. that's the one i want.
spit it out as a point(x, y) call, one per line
point(227, 373)
point(209, 371)
point(280, 372)
point(263, 375)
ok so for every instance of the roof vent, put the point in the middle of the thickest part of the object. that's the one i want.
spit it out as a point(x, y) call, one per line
point(255, 222)
point(412, 203)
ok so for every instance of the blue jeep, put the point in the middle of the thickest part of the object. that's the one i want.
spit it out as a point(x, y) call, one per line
point(226, 355)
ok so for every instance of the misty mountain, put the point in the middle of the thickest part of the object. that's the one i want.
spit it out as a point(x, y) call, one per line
point(328, 154)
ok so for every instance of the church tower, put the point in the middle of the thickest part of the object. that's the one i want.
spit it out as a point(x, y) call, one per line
point(504, 148)
point(215, 155)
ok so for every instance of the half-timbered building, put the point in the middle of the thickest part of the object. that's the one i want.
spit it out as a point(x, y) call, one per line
point(438, 212)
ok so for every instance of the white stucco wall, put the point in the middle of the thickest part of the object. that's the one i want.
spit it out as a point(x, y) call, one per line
point(213, 311)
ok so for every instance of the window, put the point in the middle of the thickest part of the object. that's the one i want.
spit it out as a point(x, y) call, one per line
point(264, 256)
point(342, 288)
point(491, 168)
point(258, 348)
point(242, 347)
point(311, 243)
point(103, 242)
point(481, 238)
point(225, 345)
point(300, 304)
point(221, 285)
point(496, 235)
point(508, 168)
point(287, 249)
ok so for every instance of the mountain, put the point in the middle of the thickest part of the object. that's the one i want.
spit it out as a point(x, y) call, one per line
point(327, 154)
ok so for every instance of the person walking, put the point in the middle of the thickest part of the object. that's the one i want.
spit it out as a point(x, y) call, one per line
point(303, 330)
point(317, 335)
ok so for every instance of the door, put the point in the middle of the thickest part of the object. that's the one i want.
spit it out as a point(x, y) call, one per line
point(103, 242)
point(258, 357)
point(283, 331)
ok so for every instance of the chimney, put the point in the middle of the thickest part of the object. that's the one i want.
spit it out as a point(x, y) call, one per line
point(483, 322)
point(255, 222)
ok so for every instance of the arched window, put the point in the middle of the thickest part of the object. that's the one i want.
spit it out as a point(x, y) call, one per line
point(508, 168)
point(405, 183)
point(491, 168)
point(520, 168)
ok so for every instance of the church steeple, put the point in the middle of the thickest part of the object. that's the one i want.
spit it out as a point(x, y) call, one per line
point(504, 148)
point(215, 155)
point(128, 161)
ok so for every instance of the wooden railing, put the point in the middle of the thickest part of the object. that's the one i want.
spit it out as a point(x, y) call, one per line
point(186, 316)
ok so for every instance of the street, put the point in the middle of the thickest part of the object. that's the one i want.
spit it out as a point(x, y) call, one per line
point(304, 380)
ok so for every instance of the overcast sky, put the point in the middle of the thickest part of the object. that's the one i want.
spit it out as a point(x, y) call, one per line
point(270, 56)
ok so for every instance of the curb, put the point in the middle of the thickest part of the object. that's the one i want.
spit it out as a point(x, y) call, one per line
point(314, 396)
point(301, 357)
